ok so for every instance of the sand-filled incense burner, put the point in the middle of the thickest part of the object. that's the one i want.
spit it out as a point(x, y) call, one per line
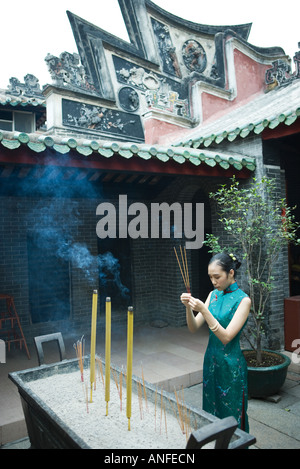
point(159, 413)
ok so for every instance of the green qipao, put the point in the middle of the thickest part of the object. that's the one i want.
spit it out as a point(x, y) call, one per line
point(225, 387)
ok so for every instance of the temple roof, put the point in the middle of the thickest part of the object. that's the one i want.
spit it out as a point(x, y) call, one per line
point(281, 105)
point(107, 149)
point(7, 99)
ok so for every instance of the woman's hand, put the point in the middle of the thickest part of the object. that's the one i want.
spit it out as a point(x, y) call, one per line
point(195, 304)
point(192, 304)
point(185, 298)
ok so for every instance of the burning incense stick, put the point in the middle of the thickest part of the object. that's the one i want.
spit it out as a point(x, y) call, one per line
point(184, 269)
point(161, 407)
point(99, 362)
point(129, 362)
point(107, 350)
point(87, 397)
point(181, 418)
point(174, 411)
point(116, 381)
point(144, 387)
point(93, 340)
point(155, 407)
point(140, 396)
point(165, 420)
point(121, 382)
point(79, 348)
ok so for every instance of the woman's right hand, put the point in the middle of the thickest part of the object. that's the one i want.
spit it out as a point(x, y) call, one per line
point(185, 298)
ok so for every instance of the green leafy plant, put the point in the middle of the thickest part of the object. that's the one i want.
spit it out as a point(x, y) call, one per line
point(259, 226)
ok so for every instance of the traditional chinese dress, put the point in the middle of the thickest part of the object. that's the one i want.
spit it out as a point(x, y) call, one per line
point(225, 389)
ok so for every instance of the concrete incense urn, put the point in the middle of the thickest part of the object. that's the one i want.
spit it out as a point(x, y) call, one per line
point(59, 415)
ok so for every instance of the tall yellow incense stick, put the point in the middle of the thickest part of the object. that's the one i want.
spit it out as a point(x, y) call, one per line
point(129, 363)
point(107, 350)
point(93, 340)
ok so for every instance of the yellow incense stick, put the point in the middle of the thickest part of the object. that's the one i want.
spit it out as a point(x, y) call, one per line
point(129, 362)
point(93, 340)
point(107, 350)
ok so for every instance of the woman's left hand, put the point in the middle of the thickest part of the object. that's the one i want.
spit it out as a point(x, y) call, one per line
point(196, 305)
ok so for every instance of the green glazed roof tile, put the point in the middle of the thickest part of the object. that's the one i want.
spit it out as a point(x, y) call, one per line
point(10, 144)
point(105, 152)
point(195, 161)
point(47, 141)
point(181, 155)
point(126, 153)
point(163, 157)
point(179, 159)
point(10, 100)
point(224, 164)
point(37, 147)
point(84, 150)
point(22, 137)
point(63, 149)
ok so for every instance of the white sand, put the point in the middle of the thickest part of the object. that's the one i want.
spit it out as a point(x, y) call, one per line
point(65, 394)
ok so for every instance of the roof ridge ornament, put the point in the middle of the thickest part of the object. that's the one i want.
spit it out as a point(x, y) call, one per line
point(30, 88)
point(280, 74)
point(67, 72)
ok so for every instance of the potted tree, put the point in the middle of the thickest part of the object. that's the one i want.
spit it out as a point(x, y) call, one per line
point(259, 226)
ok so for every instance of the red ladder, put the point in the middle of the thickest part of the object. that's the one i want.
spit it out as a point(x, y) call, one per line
point(13, 333)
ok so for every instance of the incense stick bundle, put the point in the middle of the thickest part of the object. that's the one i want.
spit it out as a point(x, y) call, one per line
point(116, 380)
point(79, 349)
point(99, 363)
point(174, 412)
point(179, 407)
point(183, 268)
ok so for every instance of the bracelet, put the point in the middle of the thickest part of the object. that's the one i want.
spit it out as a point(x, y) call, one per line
point(215, 327)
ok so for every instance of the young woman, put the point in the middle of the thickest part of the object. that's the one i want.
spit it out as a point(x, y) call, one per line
point(225, 390)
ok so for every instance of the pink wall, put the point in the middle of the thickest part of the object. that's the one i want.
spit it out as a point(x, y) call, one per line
point(250, 81)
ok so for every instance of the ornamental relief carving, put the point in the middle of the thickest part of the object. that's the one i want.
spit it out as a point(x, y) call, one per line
point(159, 92)
point(67, 72)
point(194, 56)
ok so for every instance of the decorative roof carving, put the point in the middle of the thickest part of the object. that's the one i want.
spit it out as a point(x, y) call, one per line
point(30, 88)
point(280, 73)
point(149, 29)
point(67, 72)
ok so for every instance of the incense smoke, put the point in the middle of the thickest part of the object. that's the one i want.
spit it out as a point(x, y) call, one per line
point(57, 228)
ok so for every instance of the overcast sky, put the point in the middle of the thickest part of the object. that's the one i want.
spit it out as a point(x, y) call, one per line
point(30, 29)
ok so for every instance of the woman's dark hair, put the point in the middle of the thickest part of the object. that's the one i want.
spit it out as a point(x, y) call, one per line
point(226, 261)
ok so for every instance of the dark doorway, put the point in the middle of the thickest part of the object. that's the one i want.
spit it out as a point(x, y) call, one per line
point(201, 284)
point(115, 272)
point(290, 162)
point(49, 282)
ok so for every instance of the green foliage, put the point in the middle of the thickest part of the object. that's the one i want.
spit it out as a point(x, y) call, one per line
point(259, 226)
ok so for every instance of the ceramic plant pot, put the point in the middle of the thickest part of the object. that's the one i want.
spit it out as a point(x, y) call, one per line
point(267, 380)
